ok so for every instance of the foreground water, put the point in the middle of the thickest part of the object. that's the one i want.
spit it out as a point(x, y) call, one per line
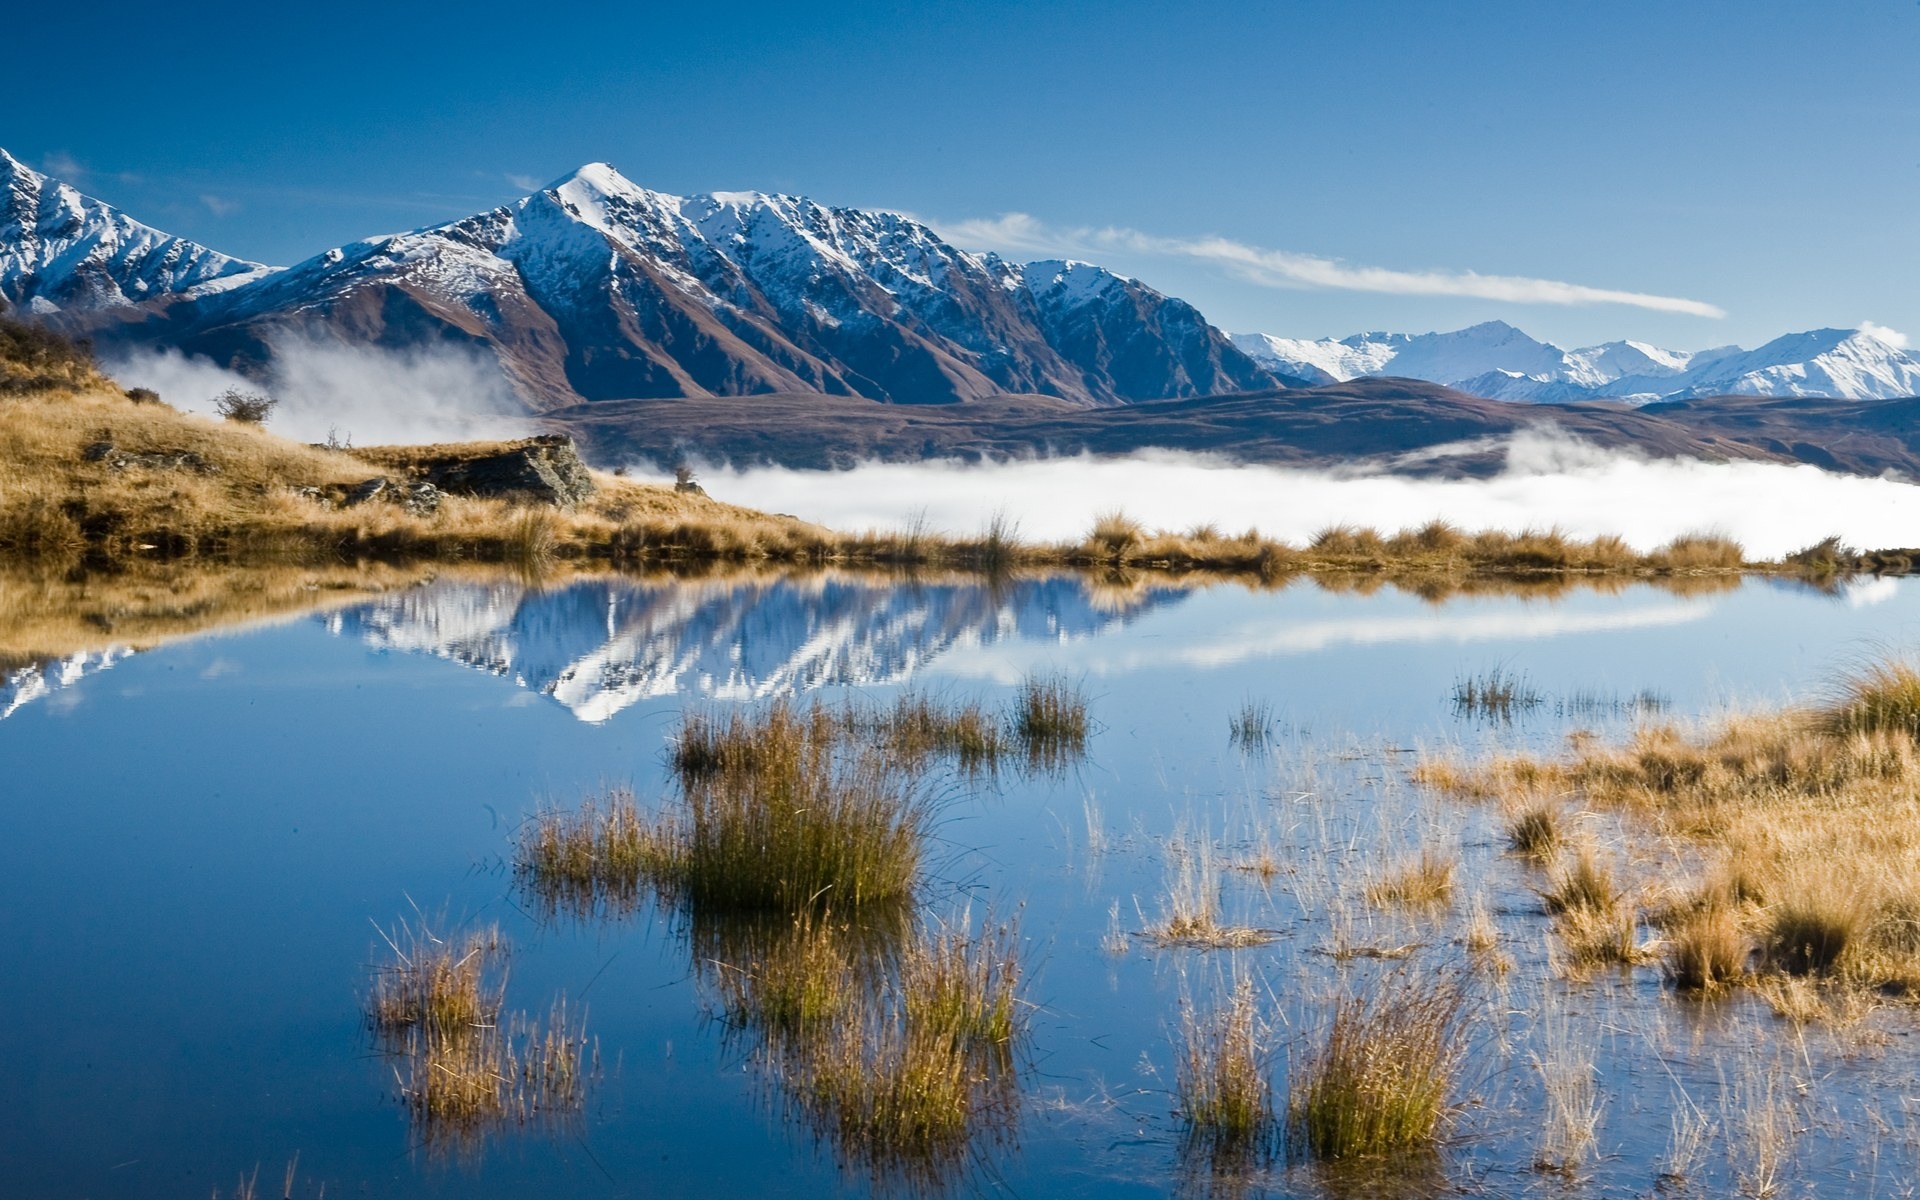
point(198, 842)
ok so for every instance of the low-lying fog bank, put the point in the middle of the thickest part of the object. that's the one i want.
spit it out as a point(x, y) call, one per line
point(1772, 509)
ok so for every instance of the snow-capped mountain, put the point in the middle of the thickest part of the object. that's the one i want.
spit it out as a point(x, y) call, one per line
point(598, 647)
point(1500, 362)
point(596, 288)
point(61, 250)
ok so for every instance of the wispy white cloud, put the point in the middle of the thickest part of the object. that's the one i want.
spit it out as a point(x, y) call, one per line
point(1892, 337)
point(1024, 234)
point(219, 206)
point(525, 183)
point(64, 166)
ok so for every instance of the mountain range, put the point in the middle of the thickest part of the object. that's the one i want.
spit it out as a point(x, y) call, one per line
point(596, 288)
point(1499, 362)
point(756, 327)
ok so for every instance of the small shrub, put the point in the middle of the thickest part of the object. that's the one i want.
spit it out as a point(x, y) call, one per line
point(248, 408)
point(140, 395)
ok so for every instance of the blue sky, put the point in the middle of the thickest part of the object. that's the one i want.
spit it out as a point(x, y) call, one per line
point(1299, 168)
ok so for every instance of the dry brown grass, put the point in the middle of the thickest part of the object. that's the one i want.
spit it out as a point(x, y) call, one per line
point(1810, 815)
point(1424, 880)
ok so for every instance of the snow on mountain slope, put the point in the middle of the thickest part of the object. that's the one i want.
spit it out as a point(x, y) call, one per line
point(597, 288)
point(1500, 362)
point(62, 250)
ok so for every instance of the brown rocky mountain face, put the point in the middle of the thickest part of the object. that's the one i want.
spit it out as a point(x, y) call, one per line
point(595, 289)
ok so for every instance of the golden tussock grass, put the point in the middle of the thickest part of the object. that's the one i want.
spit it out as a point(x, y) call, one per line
point(1375, 1077)
point(1223, 1080)
point(1422, 881)
point(464, 1066)
point(1810, 817)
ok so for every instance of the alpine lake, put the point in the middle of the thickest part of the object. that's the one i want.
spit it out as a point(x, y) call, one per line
point(215, 847)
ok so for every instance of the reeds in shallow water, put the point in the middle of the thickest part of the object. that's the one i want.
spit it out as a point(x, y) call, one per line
point(1050, 721)
point(1375, 1076)
point(1222, 1079)
point(466, 1068)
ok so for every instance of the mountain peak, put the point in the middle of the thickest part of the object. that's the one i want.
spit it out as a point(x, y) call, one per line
point(61, 249)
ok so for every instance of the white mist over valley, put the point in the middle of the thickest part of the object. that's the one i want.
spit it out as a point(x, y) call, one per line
point(1549, 482)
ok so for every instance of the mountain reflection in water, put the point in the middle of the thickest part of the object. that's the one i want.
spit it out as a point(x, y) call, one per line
point(597, 646)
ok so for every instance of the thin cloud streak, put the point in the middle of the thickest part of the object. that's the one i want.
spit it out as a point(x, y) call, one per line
point(1021, 233)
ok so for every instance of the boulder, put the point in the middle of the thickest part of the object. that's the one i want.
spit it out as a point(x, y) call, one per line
point(546, 468)
point(155, 460)
point(418, 498)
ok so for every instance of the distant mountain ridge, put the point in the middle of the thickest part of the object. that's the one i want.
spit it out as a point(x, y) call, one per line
point(595, 288)
point(1499, 362)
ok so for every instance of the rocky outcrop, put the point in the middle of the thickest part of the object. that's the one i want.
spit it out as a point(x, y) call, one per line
point(545, 468)
point(117, 459)
point(419, 498)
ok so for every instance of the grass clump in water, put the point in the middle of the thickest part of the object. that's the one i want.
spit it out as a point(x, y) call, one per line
point(775, 815)
point(917, 728)
point(1050, 720)
point(1375, 1078)
point(1222, 1081)
point(1499, 694)
point(1534, 829)
point(1704, 950)
point(1423, 881)
point(592, 860)
point(464, 1067)
point(913, 1080)
point(1251, 727)
point(440, 985)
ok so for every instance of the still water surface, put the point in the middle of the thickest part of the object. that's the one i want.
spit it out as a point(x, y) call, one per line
point(197, 842)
